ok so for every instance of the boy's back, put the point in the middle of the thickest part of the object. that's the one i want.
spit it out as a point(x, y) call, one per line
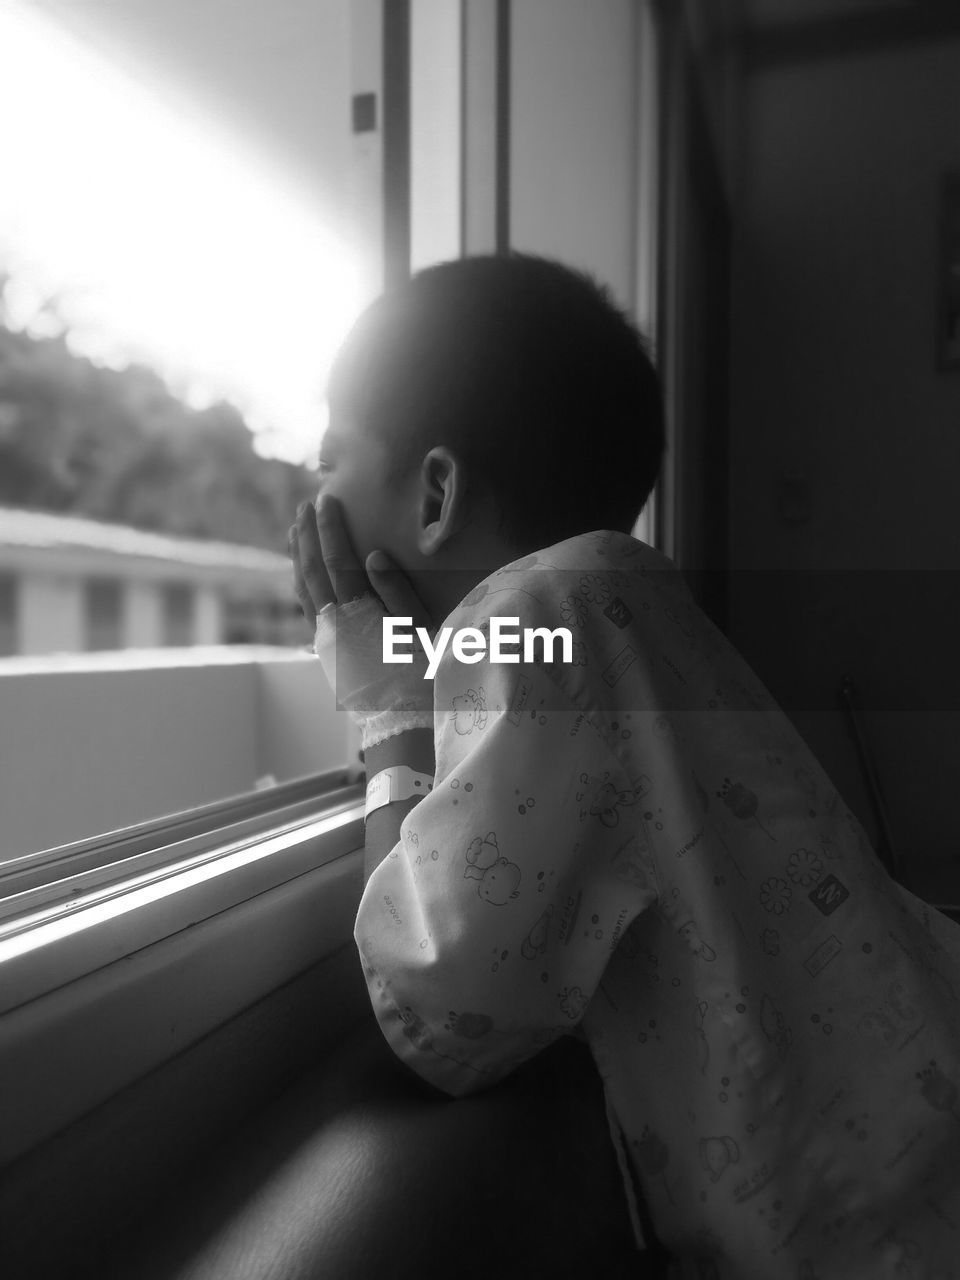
point(638, 844)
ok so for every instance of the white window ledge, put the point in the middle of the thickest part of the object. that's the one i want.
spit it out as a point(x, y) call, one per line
point(107, 973)
point(72, 911)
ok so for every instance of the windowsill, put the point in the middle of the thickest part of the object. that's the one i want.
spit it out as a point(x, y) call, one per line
point(105, 985)
point(81, 917)
point(120, 951)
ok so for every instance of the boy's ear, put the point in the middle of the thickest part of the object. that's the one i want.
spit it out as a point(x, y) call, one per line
point(442, 494)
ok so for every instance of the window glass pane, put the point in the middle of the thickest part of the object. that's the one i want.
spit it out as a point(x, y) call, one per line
point(188, 227)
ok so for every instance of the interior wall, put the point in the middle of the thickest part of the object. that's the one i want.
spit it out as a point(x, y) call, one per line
point(583, 141)
point(435, 131)
point(711, 27)
point(845, 440)
point(573, 139)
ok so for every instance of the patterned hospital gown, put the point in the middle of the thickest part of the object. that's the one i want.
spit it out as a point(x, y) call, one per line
point(638, 845)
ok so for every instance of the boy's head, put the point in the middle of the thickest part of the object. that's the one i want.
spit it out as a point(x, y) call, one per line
point(518, 372)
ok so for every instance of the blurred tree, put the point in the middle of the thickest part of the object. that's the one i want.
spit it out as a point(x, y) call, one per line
point(116, 445)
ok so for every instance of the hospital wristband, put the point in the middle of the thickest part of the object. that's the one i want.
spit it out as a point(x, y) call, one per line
point(399, 782)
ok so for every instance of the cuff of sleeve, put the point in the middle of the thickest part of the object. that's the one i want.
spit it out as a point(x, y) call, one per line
point(387, 724)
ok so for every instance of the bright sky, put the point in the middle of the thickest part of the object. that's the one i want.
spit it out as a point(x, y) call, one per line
point(163, 241)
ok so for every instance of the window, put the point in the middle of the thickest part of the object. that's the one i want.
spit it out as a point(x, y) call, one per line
point(103, 613)
point(9, 614)
point(161, 409)
point(163, 349)
point(179, 610)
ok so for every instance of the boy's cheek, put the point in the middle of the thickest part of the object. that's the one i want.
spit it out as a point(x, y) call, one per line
point(334, 487)
point(365, 528)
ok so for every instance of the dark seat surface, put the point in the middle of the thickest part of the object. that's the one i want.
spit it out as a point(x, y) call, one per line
point(360, 1170)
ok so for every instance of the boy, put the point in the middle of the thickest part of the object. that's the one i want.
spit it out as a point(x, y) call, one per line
point(627, 840)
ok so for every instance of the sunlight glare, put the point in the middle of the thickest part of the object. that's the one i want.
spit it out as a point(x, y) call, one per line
point(161, 241)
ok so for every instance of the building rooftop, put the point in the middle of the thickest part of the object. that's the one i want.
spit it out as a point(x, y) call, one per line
point(20, 527)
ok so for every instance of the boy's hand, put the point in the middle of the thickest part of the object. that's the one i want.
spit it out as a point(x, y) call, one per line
point(327, 570)
point(346, 603)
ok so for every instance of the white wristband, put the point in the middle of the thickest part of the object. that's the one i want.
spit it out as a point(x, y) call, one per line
point(399, 782)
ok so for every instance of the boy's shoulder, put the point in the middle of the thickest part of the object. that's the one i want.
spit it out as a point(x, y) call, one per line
point(594, 586)
point(556, 583)
point(594, 552)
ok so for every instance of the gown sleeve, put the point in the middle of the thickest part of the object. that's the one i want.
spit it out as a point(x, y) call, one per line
point(485, 932)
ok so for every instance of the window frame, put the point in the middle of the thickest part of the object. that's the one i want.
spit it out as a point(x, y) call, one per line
point(81, 1023)
point(67, 912)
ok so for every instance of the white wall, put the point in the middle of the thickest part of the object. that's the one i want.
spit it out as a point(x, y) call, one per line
point(834, 382)
point(573, 170)
point(365, 206)
point(208, 617)
point(575, 137)
point(583, 147)
point(144, 615)
point(479, 37)
point(93, 749)
point(51, 613)
point(435, 146)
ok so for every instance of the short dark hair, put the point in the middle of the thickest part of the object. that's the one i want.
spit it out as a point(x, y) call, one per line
point(528, 371)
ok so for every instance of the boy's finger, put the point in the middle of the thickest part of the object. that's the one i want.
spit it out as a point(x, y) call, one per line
point(299, 586)
point(396, 591)
point(343, 568)
point(308, 559)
